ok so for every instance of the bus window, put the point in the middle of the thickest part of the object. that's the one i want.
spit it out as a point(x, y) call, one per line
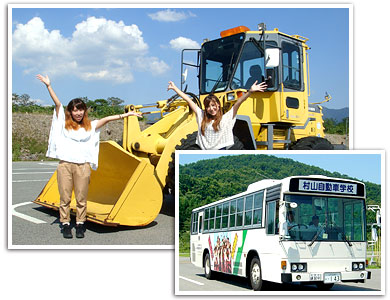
point(353, 221)
point(212, 218)
point(240, 208)
point(200, 224)
point(271, 213)
point(258, 208)
point(358, 222)
point(232, 221)
point(218, 216)
point(248, 210)
point(194, 223)
point(225, 215)
point(206, 219)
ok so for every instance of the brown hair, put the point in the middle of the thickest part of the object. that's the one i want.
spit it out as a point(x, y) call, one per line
point(72, 124)
point(206, 117)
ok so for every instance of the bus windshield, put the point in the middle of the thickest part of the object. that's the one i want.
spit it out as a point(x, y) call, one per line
point(218, 61)
point(314, 218)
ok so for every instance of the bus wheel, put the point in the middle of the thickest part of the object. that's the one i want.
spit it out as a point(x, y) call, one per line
point(207, 267)
point(324, 286)
point(255, 274)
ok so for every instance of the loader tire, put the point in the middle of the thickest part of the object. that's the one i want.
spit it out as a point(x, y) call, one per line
point(312, 143)
point(189, 143)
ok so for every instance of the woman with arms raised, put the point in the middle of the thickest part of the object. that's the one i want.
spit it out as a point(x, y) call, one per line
point(74, 140)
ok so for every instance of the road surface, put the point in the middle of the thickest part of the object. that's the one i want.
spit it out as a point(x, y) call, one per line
point(192, 279)
point(38, 227)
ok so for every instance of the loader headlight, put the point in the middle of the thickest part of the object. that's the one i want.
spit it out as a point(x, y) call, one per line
point(231, 97)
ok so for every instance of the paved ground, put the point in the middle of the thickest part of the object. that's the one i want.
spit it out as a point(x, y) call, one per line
point(34, 225)
point(192, 279)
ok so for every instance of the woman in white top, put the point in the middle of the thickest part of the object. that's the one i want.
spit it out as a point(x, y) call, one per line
point(215, 129)
point(74, 140)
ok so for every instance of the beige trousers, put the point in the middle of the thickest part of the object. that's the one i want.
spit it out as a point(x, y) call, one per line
point(72, 176)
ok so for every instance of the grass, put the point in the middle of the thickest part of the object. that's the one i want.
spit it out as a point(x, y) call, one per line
point(31, 146)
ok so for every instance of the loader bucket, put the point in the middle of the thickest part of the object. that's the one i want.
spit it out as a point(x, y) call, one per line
point(122, 191)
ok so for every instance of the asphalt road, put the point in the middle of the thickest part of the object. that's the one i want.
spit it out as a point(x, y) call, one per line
point(39, 227)
point(192, 279)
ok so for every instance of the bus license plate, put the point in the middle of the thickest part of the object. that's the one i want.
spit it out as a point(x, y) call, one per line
point(332, 277)
point(315, 276)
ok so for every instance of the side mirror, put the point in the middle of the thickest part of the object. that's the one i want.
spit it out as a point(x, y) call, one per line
point(184, 76)
point(272, 57)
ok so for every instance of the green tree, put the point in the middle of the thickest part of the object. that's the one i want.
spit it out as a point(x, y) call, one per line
point(115, 101)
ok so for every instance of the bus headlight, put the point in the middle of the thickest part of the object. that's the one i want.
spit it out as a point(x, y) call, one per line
point(294, 267)
point(357, 266)
point(298, 267)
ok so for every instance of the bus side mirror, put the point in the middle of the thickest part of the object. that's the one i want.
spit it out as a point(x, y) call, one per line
point(272, 57)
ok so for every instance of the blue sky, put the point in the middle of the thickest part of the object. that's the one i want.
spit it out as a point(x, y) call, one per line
point(362, 166)
point(136, 51)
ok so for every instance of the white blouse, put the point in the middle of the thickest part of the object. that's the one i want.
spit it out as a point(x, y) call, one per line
point(76, 146)
point(215, 140)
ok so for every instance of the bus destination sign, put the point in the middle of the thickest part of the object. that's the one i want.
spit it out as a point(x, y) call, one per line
point(346, 188)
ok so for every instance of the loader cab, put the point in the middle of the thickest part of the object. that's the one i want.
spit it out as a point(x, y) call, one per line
point(236, 61)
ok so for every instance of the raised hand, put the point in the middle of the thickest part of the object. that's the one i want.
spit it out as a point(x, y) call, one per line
point(171, 86)
point(44, 79)
point(261, 87)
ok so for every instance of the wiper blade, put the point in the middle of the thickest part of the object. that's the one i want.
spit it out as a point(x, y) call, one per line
point(316, 236)
point(345, 239)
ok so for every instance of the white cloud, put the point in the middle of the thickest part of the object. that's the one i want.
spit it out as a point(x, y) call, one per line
point(99, 49)
point(152, 63)
point(169, 15)
point(184, 43)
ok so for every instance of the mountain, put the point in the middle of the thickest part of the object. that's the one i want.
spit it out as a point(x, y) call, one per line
point(337, 114)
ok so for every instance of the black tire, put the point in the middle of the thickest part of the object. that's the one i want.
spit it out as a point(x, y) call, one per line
point(238, 145)
point(189, 143)
point(324, 286)
point(255, 277)
point(311, 143)
point(208, 273)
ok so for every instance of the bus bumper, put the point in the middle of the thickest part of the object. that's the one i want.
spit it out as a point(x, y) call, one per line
point(358, 276)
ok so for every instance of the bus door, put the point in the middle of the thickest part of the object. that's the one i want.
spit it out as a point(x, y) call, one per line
point(270, 260)
point(196, 240)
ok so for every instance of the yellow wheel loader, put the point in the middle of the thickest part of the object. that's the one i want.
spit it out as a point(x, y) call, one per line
point(128, 187)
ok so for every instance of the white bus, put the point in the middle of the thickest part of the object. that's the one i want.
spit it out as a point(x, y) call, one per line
point(306, 229)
